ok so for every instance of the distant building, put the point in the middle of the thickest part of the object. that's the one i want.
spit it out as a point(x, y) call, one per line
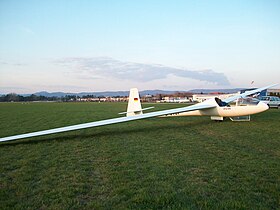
point(103, 99)
point(170, 99)
point(273, 92)
point(203, 97)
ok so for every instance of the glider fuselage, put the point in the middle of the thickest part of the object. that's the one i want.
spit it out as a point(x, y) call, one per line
point(227, 111)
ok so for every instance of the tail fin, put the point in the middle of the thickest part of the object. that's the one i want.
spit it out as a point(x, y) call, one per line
point(134, 105)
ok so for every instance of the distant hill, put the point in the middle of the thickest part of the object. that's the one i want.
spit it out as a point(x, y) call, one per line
point(105, 93)
point(126, 93)
point(216, 90)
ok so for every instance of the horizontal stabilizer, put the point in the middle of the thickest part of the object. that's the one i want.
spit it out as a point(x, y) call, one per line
point(138, 110)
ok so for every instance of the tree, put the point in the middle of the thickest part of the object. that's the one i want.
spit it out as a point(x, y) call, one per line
point(11, 97)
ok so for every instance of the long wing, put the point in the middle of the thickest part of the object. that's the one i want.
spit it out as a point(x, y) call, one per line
point(109, 121)
point(247, 93)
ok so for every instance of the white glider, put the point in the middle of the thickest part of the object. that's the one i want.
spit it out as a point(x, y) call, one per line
point(213, 107)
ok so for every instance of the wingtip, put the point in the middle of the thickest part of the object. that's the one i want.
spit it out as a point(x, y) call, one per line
point(273, 85)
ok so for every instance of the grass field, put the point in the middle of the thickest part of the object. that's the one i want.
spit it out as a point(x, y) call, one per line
point(159, 163)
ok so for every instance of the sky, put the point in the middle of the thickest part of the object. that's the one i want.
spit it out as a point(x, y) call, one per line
point(101, 45)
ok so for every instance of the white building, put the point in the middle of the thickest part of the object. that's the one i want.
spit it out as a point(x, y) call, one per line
point(275, 92)
point(203, 97)
point(168, 99)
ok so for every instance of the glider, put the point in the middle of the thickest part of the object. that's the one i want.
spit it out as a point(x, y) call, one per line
point(214, 107)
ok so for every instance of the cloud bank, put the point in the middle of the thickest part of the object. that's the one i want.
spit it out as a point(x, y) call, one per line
point(104, 67)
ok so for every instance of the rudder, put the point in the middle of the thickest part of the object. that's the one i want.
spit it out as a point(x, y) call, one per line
point(134, 105)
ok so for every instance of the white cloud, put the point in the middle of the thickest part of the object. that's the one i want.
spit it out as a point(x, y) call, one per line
point(104, 67)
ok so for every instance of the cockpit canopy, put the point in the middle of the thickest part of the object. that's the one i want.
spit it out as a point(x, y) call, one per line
point(248, 101)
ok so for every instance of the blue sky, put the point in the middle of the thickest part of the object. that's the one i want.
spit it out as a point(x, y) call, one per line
point(114, 45)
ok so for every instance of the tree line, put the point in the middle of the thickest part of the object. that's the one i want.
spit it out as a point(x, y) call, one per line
point(13, 97)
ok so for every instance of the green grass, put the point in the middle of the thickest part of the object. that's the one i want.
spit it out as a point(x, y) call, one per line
point(159, 163)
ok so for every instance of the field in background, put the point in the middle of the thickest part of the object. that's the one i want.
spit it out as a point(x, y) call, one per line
point(170, 163)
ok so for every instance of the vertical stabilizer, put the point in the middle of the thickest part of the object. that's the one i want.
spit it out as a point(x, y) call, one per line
point(134, 106)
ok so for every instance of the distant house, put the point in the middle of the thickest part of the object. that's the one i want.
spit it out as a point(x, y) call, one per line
point(203, 97)
point(273, 92)
point(170, 99)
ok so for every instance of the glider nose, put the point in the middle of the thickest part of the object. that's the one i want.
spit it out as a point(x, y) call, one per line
point(263, 106)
